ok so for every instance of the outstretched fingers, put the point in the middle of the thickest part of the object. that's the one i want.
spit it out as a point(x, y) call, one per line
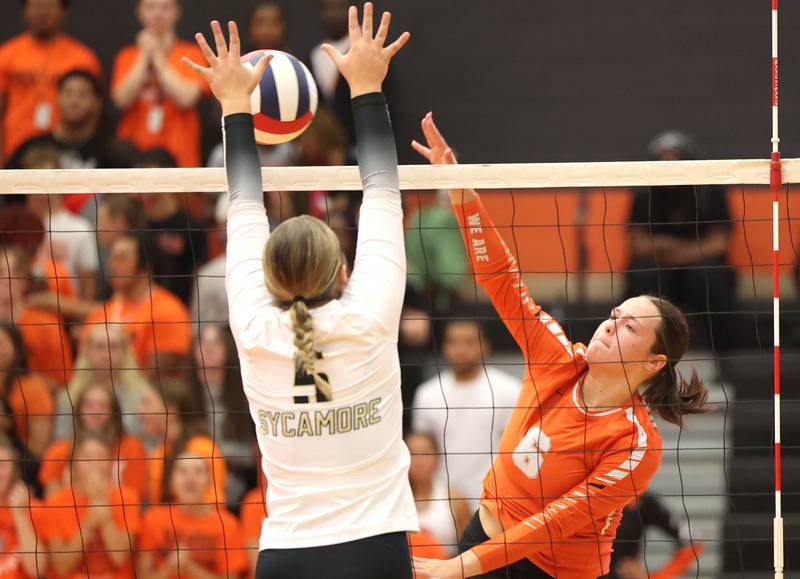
point(261, 65)
point(366, 26)
point(219, 39)
point(421, 149)
point(353, 28)
point(383, 29)
point(235, 44)
point(395, 46)
point(195, 67)
point(211, 58)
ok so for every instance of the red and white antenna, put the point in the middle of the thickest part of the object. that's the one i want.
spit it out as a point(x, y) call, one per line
point(775, 184)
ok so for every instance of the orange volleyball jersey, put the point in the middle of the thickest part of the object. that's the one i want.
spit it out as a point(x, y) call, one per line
point(563, 474)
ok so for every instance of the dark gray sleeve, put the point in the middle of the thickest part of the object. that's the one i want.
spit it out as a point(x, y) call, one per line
point(375, 146)
point(242, 164)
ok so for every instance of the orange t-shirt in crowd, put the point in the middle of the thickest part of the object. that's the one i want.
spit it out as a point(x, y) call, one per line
point(10, 558)
point(131, 467)
point(563, 474)
point(423, 545)
point(213, 540)
point(67, 510)
point(58, 278)
point(201, 446)
point(29, 73)
point(154, 120)
point(30, 398)
point(159, 324)
point(252, 513)
point(47, 344)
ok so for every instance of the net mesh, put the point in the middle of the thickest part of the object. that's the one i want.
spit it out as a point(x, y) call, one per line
point(586, 236)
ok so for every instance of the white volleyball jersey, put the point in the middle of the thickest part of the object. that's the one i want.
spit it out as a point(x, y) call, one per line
point(337, 469)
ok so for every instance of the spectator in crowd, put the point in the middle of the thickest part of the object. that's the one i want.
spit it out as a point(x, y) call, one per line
point(190, 537)
point(173, 422)
point(252, 512)
point(116, 214)
point(156, 93)
point(78, 133)
point(31, 65)
point(27, 395)
point(97, 412)
point(218, 382)
point(92, 523)
point(176, 242)
point(209, 300)
point(28, 465)
point(266, 26)
point(413, 347)
point(679, 241)
point(465, 408)
point(22, 552)
point(69, 239)
point(442, 510)
point(47, 345)
point(156, 321)
point(104, 357)
point(626, 558)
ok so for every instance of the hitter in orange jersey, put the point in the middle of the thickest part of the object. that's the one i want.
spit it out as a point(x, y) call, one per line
point(580, 444)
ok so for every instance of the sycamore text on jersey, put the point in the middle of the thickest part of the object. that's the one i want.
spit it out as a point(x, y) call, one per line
point(318, 422)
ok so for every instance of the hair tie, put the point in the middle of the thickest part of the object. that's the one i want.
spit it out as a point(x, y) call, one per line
point(302, 299)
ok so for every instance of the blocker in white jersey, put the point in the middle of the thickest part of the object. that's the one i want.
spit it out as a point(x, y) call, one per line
point(318, 351)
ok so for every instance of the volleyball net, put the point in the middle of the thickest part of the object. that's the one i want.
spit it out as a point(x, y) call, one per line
point(134, 305)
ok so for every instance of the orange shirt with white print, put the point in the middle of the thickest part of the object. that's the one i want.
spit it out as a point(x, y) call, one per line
point(67, 510)
point(130, 468)
point(10, 556)
point(212, 540)
point(202, 446)
point(157, 322)
point(29, 73)
point(563, 474)
point(154, 120)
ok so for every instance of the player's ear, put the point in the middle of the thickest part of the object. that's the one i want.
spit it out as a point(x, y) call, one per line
point(344, 275)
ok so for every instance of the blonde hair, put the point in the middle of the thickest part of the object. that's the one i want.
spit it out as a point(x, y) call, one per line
point(302, 260)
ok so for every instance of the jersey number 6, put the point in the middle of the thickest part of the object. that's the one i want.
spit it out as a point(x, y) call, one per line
point(529, 453)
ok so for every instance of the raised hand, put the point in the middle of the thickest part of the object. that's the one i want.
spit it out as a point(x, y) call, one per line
point(230, 81)
point(366, 63)
point(437, 151)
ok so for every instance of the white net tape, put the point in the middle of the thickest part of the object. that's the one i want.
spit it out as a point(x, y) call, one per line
point(501, 176)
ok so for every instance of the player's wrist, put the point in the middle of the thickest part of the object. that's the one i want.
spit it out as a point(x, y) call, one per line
point(236, 104)
point(358, 89)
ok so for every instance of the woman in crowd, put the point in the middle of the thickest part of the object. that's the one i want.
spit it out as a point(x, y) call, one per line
point(105, 357)
point(442, 513)
point(92, 524)
point(22, 552)
point(216, 378)
point(190, 537)
point(97, 412)
point(174, 422)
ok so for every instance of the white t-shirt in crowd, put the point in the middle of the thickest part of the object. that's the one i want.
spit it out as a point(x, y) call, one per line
point(467, 420)
point(337, 469)
point(73, 241)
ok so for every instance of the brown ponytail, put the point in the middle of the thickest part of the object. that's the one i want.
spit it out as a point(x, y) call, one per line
point(302, 260)
point(668, 393)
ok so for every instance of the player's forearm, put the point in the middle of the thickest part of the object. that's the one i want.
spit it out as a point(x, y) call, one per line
point(241, 160)
point(375, 146)
point(34, 559)
point(461, 196)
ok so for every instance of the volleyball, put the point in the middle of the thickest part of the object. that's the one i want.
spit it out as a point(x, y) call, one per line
point(285, 100)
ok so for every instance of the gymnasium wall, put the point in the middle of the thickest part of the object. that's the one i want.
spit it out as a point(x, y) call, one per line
point(550, 80)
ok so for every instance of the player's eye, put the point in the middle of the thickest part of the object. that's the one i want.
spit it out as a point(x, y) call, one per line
point(629, 326)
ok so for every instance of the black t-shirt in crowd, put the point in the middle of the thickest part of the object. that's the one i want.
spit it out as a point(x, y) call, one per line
point(177, 248)
point(99, 152)
point(685, 211)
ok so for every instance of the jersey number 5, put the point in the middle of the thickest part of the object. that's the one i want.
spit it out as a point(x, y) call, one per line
point(529, 453)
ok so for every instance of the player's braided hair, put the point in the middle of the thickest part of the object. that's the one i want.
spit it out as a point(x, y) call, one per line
point(302, 260)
